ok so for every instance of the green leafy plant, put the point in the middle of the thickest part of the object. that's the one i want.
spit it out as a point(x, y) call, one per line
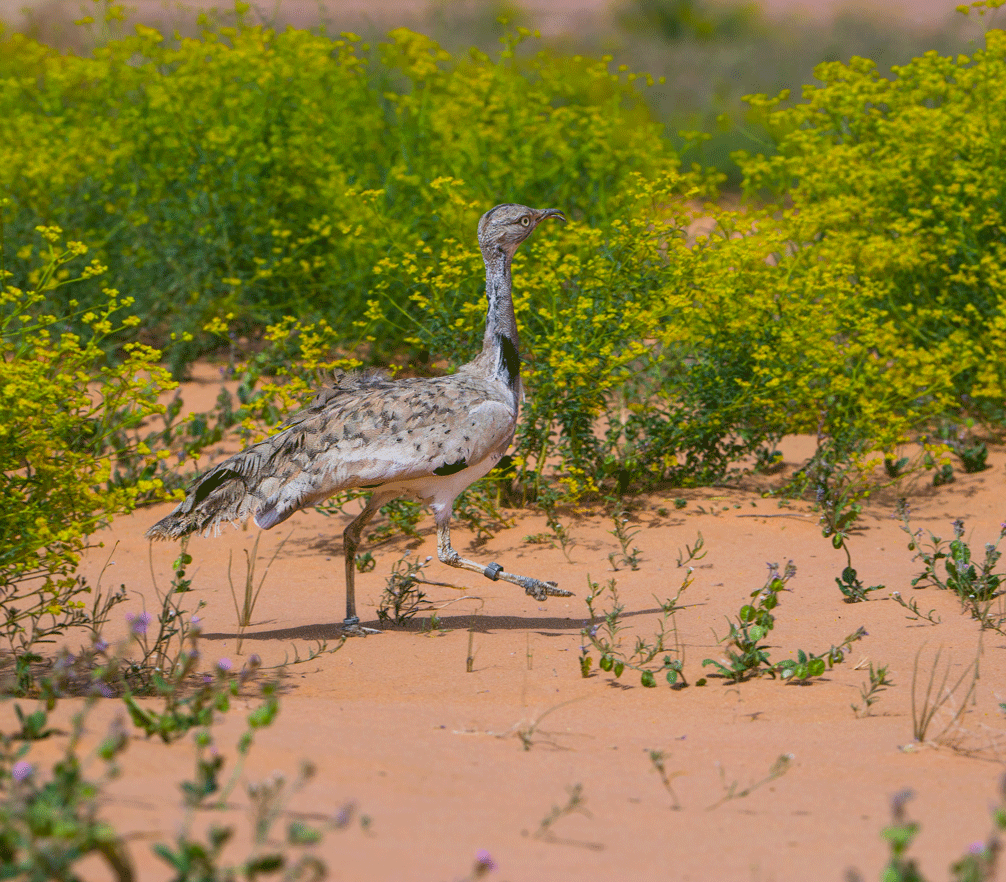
point(602, 634)
point(746, 655)
point(841, 489)
point(807, 665)
point(869, 692)
point(63, 448)
point(913, 607)
point(977, 865)
point(50, 818)
point(624, 535)
point(976, 583)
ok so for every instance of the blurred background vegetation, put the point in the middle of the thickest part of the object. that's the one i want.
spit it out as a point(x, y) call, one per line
point(709, 53)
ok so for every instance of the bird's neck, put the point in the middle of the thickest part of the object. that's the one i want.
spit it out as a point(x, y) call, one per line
point(501, 344)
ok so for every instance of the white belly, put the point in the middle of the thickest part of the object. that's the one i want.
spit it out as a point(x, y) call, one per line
point(440, 491)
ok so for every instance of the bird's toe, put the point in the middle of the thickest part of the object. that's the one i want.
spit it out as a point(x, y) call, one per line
point(353, 628)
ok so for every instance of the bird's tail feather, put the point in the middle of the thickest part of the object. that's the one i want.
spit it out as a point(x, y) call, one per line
point(228, 494)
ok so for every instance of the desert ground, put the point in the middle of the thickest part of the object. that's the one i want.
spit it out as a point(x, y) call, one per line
point(440, 763)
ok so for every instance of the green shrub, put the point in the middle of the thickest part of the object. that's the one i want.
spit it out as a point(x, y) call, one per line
point(899, 183)
point(267, 173)
point(70, 454)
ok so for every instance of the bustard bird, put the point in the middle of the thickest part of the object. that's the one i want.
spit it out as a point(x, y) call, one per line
point(424, 437)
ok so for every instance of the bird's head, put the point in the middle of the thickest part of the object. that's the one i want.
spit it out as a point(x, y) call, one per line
point(503, 228)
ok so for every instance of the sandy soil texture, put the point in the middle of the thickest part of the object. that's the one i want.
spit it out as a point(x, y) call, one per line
point(445, 762)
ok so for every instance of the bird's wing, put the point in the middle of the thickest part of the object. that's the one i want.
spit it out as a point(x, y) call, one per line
point(385, 433)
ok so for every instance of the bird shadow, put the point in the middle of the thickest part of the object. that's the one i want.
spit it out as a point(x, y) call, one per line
point(478, 622)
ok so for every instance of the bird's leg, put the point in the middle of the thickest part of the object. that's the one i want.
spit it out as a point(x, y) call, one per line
point(351, 542)
point(537, 589)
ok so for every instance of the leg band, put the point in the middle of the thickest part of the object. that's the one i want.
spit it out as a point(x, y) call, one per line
point(493, 571)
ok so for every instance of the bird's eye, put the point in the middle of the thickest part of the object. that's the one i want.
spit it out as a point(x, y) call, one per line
point(525, 220)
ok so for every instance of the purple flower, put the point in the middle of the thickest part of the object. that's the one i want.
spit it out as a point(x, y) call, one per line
point(100, 645)
point(225, 665)
point(138, 623)
point(484, 864)
point(977, 848)
point(99, 687)
point(345, 815)
point(21, 771)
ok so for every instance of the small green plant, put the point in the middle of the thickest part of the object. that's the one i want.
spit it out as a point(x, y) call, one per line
point(479, 509)
point(657, 758)
point(869, 692)
point(624, 535)
point(402, 516)
point(943, 472)
point(50, 820)
point(575, 804)
point(201, 855)
point(560, 533)
point(807, 665)
point(972, 453)
point(746, 655)
point(602, 632)
point(895, 467)
point(34, 726)
point(973, 456)
point(768, 460)
point(165, 649)
point(840, 491)
point(186, 706)
point(913, 607)
point(978, 864)
point(401, 598)
point(852, 587)
point(976, 584)
point(780, 767)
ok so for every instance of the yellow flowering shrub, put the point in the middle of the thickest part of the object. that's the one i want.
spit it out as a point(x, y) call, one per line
point(899, 182)
point(70, 450)
point(267, 173)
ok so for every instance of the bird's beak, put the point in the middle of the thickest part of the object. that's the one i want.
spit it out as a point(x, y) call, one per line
point(544, 213)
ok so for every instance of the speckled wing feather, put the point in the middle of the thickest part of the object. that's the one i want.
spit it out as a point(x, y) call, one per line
point(366, 433)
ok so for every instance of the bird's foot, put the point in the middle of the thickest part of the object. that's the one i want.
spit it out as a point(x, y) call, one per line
point(540, 590)
point(351, 627)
